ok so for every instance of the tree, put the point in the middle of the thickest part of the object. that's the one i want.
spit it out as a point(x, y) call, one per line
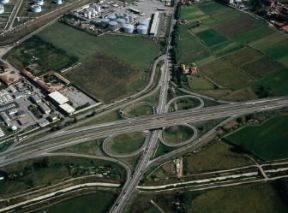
point(256, 5)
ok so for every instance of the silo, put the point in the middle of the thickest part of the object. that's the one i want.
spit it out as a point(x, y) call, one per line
point(128, 28)
point(112, 17)
point(4, 1)
point(144, 22)
point(59, 2)
point(121, 22)
point(36, 8)
point(113, 25)
point(39, 2)
point(98, 9)
point(105, 22)
point(127, 20)
point(142, 29)
point(2, 9)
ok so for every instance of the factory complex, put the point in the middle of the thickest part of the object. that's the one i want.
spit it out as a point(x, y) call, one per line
point(141, 17)
point(29, 102)
point(31, 99)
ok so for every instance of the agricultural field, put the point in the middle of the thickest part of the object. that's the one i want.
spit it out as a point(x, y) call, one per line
point(40, 56)
point(215, 156)
point(46, 171)
point(268, 141)
point(110, 66)
point(256, 198)
point(238, 57)
point(98, 202)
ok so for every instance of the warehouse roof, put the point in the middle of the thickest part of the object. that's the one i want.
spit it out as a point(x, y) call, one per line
point(58, 97)
point(67, 108)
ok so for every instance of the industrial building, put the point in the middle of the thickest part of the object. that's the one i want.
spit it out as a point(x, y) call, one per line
point(58, 98)
point(1, 133)
point(35, 99)
point(2, 10)
point(155, 24)
point(12, 112)
point(4, 1)
point(35, 8)
point(67, 108)
point(44, 108)
point(62, 102)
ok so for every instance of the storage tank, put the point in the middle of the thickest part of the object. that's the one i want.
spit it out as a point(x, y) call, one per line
point(39, 2)
point(4, 1)
point(105, 22)
point(2, 9)
point(112, 17)
point(144, 22)
point(142, 29)
point(121, 22)
point(59, 2)
point(127, 20)
point(35, 8)
point(128, 28)
point(113, 25)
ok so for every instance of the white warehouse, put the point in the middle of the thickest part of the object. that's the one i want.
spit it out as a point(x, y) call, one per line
point(155, 24)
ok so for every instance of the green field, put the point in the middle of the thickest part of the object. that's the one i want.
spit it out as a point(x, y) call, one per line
point(161, 150)
point(199, 83)
point(111, 67)
point(46, 171)
point(252, 198)
point(81, 44)
point(239, 54)
point(40, 56)
point(99, 202)
point(256, 198)
point(216, 156)
point(184, 104)
point(139, 110)
point(267, 141)
point(177, 134)
point(88, 148)
point(127, 143)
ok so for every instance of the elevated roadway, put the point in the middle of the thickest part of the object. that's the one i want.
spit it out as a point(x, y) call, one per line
point(151, 122)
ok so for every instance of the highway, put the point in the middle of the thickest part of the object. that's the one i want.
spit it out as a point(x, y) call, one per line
point(133, 181)
point(151, 122)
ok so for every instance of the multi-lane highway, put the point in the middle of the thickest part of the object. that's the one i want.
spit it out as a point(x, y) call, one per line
point(151, 122)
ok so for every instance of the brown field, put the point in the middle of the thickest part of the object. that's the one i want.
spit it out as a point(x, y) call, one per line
point(239, 24)
point(226, 74)
point(263, 67)
point(243, 56)
point(101, 71)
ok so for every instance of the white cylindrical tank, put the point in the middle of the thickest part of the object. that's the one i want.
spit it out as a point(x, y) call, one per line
point(121, 22)
point(35, 8)
point(128, 28)
point(105, 22)
point(142, 29)
point(4, 1)
point(59, 2)
point(39, 2)
point(112, 17)
point(144, 22)
point(14, 127)
point(113, 25)
point(2, 9)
